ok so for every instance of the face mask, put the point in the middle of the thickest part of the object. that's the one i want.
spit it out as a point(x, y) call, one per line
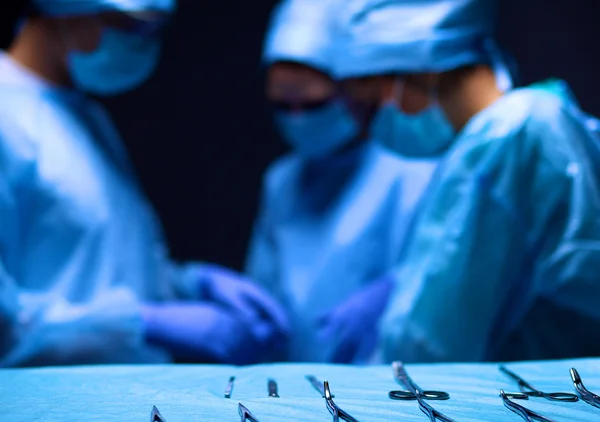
point(425, 134)
point(122, 62)
point(320, 132)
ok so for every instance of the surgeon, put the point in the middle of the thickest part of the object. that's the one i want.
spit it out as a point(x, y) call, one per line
point(503, 257)
point(335, 209)
point(84, 274)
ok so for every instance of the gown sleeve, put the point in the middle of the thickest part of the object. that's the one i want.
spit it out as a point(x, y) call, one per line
point(512, 215)
point(41, 327)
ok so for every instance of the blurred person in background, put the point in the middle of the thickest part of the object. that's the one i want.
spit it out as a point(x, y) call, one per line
point(503, 258)
point(84, 272)
point(335, 209)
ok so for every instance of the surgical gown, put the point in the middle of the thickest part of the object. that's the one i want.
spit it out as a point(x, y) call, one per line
point(80, 247)
point(325, 230)
point(503, 262)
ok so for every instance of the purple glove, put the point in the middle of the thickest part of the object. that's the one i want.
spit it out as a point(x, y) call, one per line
point(352, 326)
point(202, 333)
point(247, 301)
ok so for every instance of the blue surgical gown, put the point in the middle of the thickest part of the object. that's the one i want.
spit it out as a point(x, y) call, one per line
point(325, 230)
point(503, 262)
point(80, 246)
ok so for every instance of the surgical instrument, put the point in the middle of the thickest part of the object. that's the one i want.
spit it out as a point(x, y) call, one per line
point(317, 385)
point(409, 395)
point(155, 416)
point(585, 394)
point(528, 415)
point(272, 387)
point(530, 391)
point(229, 388)
point(245, 414)
point(402, 378)
point(333, 408)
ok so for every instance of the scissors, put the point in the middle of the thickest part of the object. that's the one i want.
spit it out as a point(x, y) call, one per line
point(586, 395)
point(402, 377)
point(155, 416)
point(528, 390)
point(245, 414)
point(528, 415)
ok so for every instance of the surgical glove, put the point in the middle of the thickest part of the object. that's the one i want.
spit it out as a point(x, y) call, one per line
point(203, 333)
point(352, 326)
point(246, 299)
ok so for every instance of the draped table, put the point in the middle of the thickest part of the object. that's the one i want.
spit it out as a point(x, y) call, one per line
point(189, 393)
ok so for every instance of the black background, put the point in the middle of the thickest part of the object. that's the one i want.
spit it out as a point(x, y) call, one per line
point(200, 133)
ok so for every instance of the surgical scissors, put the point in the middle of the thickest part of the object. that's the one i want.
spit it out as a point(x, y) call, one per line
point(402, 377)
point(528, 415)
point(245, 414)
point(530, 391)
point(333, 408)
point(155, 416)
point(586, 395)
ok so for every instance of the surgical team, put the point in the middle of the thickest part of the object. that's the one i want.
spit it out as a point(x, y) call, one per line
point(429, 210)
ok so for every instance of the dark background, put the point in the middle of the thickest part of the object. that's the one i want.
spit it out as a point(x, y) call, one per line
point(200, 133)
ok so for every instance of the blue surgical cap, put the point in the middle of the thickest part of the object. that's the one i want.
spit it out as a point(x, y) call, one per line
point(88, 7)
point(415, 36)
point(302, 31)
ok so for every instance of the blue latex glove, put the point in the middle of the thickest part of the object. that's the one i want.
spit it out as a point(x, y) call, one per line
point(352, 326)
point(204, 333)
point(246, 300)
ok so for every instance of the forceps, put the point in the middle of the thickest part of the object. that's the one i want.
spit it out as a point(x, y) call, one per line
point(528, 415)
point(586, 395)
point(333, 408)
point(528, 390)
point(317, 385)
point(245, 414)
point(402, 377)
point(155, 416)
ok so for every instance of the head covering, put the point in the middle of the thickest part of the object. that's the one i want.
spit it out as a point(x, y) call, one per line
point(301, 31)
point(87, 7)
point(388, 36)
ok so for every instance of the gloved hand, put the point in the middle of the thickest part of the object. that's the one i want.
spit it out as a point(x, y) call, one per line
point(246, 300)
point(352, 326)
point(203, 333)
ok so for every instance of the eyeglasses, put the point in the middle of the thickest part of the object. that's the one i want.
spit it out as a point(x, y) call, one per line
point(303, 106)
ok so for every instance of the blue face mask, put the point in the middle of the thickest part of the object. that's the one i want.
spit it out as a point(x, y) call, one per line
point(318, 133)
point(122, 62)
point(424, 134)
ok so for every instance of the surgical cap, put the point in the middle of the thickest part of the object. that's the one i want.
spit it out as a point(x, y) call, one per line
point(301, 31)
point(391, 36)
point(87, 7)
